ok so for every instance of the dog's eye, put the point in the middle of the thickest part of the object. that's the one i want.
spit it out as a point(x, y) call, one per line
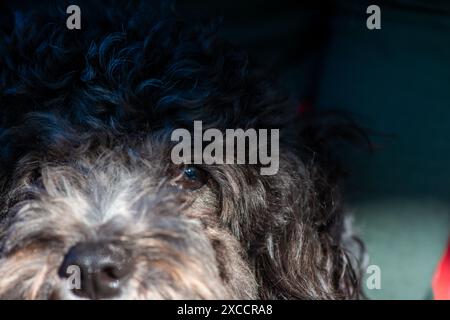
point(191, 178)
point(191, 173)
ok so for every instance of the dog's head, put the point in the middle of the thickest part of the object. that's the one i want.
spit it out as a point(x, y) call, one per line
point(92, 205)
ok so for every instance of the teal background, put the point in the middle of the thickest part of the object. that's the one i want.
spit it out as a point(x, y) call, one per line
point(397, 80)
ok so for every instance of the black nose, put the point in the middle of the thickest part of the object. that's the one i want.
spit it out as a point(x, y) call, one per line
point(104, 268)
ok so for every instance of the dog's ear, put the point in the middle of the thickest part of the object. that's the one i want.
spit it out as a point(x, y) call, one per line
point(310, 252)
point(307, 253)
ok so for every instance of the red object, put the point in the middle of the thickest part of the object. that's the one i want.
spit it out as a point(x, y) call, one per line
point(441, 279)
point(305, 107)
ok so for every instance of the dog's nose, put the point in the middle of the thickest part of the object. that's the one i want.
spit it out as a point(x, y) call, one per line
point(103, 269)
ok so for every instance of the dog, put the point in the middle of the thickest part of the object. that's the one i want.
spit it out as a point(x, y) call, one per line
point(86, 178)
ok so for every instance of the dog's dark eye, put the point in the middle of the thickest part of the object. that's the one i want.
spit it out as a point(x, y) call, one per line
point(191, 173)
point(191, 178)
